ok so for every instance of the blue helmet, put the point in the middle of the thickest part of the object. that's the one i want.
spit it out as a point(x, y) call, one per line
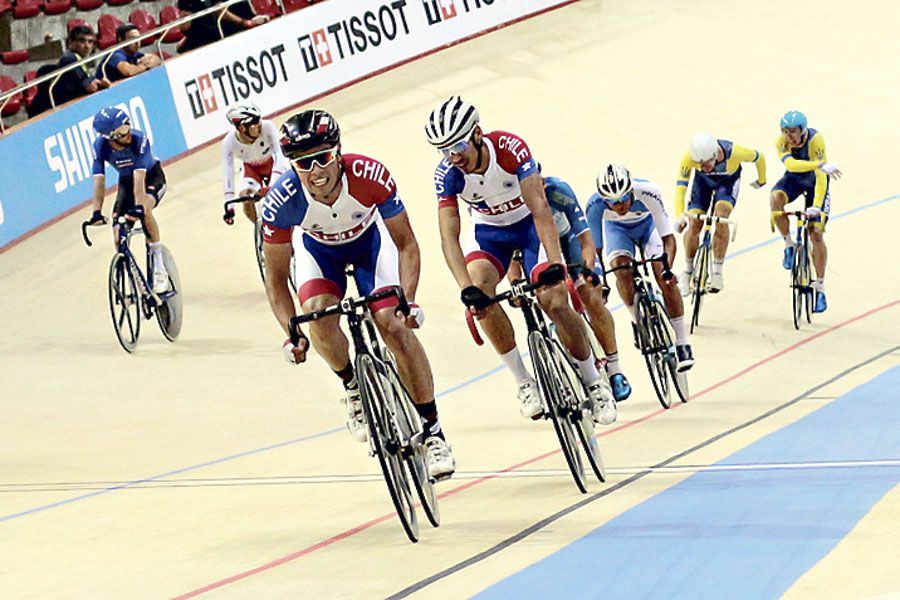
point(794, 118)
point(109, 119)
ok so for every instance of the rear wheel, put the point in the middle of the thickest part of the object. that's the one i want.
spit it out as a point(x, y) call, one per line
point(124, 302)
point(385, 444)
point(557, 394)
point(169, 312)
point(258, 246)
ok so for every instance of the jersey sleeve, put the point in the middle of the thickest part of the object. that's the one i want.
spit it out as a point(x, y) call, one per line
point(817, 149)
point(448, 182)
point(748, 155)
point(573, 210)
point(143, 155)
point(371, 183)
point(684, 175)
point(595, 208)
point(228, 166)
point(275, 209)
point(280, 162)
point(513, 154)
point(795, 165)
point(652, 198)
point(99, 166)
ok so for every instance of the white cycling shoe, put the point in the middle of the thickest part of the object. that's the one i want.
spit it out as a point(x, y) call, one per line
point(356, 416)
point(603, 404)
point(530, 400)
point(160, 281)
point(684, 283)
point(716, 282)
point(439, 458)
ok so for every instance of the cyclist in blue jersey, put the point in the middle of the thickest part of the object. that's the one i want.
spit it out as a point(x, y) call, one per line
point(142, 183)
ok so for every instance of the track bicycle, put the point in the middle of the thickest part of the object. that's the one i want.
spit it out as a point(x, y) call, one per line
point(702, 260)
point(802, 293)
point(394, 427)
point(653, 332)
point(131, 297)
point(228, 217)
point(563, 395)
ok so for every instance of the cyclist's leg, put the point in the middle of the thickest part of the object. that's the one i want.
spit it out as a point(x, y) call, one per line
point(155, 189)
point(817, 239)
point(701, 196)
point(620, 253)
point(253, 179)
point(782, 193)
point(124, 202)
point(653, 247)
point(725, 201)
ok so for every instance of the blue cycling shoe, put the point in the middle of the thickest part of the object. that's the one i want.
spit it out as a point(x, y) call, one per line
point(788, 261)
point(620, 387)
point(820, 306)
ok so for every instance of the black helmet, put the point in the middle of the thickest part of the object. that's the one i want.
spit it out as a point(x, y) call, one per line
point(308, 129)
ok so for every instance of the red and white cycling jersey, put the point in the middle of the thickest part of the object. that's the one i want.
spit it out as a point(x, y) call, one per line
point(261, 161)
point(494, 198)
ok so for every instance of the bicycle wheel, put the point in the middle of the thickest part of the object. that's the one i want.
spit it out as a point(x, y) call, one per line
point(796, 289)
point(808, 293)
point(654, 351)
point(169, 313)
point(667, 334)
point(258, 248)
point(557, 394)
point(698, 281)
point(411, 428)
point(384, 442)
point(124, 302)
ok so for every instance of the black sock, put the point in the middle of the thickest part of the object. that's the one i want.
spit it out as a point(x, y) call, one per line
point(346, 374)
point(430, 424)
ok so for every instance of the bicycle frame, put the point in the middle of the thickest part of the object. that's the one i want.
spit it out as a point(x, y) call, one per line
point(703, 258)
point(801, 269)
point(124, 227)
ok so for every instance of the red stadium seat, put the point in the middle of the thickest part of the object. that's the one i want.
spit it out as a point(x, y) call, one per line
point(163, 55)
point(106, 30)
point(75, 23)
point(145, 22)
point(13, 57)
point(266, 7)
point(25, 9)
point(88, 4)
point(118, 2)
point(292, 5)
point(57, 7)
point(166, 16)
point(30, 92)
point(12, 107)
point(5, 6)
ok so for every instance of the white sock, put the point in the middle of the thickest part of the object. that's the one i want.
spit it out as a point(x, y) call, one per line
point(588, 369)
point(788, 241)
point(159, 263)
point(680, 331)
point(513, 362)
point(612, 364)
point(717, 266)
point(819, 285)
point(688, 264)
point(632, 311)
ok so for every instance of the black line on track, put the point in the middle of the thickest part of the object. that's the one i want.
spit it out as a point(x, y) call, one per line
point(513, 539)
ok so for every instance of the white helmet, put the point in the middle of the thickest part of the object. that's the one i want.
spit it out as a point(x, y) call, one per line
point(704, 147)
point(450, 122)
point(243, 114)
point(614, 183)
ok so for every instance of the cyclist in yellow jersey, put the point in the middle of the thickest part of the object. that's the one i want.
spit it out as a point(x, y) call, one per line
point(808, 174)
point(716, 165)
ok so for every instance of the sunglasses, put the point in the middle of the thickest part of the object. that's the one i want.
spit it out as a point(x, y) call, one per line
point(457, 148)
point(322, 158)
point(120, 134)
point(619, 200)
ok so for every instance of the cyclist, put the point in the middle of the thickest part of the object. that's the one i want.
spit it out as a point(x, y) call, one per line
point(142, 183)
point(344, 209)
point(254, 142)
point(808, 174)
point(578, 250)
point(625, 212)
point(716, 165)
point(496, 177)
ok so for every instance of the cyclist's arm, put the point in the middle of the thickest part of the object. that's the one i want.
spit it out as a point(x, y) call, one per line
point(533, 194)
point(681, 184)
point(746, 155)
point(817, 149)
point(795, 165)
point(228, 167)
point(278, 264)
point(410, 258)
point(670, 248)
point(449, 225)
point(587, 248)
point(140, 187)
point(99, 191)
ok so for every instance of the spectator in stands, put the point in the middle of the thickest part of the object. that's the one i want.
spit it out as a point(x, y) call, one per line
point(79, 81)
point(204, 30)
point(41, 101)
point(128, 61)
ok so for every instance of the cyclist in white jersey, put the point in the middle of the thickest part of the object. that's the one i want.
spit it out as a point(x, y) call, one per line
point(254, 143)
point(624, 213)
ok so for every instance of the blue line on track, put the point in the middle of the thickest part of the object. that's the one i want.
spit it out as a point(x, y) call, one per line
point(124, 485)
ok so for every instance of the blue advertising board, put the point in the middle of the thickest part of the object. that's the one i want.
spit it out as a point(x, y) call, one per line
point(45, 167)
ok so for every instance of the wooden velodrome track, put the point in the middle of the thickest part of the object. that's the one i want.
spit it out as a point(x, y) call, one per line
point(212, 467)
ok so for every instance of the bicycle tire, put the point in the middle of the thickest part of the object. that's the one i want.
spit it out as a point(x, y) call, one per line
point(796, 289)
point(169, 313)
point(123, 293)
point(384, 445)
point(701, 268)
point(258, 248)
point(679, 380)
point(550, 383)
point(411, 424)
point(809, 294)
point(653, 353)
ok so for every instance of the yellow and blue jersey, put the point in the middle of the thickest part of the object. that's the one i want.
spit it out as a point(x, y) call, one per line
point(730, 167)
point(802, 166)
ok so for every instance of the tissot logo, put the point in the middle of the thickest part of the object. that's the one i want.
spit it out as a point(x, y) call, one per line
point(356, 35)
point(235, 81)
point(438, 11)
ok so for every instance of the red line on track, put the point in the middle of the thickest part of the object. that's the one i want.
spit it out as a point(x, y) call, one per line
point(470, 484)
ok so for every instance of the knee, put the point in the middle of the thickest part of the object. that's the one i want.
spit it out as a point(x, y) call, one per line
point(816, 235)
point(394, 332)
point(554, 300)
point(776, 201)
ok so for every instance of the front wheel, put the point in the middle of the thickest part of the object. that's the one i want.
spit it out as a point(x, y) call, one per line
point(655, 350)
point(699, 277)
point(258, 247)
point(124, 302)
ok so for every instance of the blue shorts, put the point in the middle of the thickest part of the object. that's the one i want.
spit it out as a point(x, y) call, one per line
point(320, 267)
point(795, 185)
point(497, 245)
point(704, 189)
point(620, 238)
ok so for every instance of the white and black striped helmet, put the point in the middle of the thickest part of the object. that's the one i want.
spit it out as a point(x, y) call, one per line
point(243, 114)
point(613, 182)
point(450, 122)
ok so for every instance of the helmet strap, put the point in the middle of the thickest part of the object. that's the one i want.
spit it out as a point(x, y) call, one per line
point(478, 146)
